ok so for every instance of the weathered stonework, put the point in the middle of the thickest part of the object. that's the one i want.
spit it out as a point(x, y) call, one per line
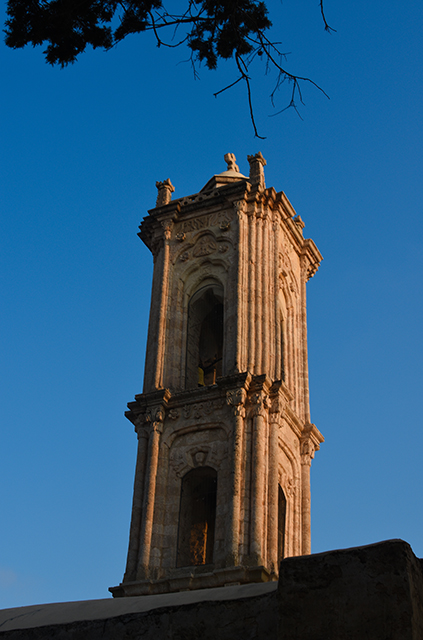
point(365, 593)
point(225, 387)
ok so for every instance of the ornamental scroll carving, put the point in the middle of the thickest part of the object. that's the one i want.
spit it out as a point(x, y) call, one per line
point(205, 246)
point(284, 264)
point(289, 488)
point(236, 399)
point(220, 219)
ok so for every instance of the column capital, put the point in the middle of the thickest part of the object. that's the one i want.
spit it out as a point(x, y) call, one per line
point(307, 450)
point(309, 443)
point(167, 226)
point(236, 399)
point(240, 207)
point(260, 402)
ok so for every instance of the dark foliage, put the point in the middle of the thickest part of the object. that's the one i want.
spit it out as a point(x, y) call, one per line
point(212, 30)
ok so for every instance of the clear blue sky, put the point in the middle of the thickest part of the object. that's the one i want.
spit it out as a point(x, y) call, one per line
point(81, 149)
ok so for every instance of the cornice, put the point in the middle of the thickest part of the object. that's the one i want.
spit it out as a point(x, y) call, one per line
point(145, 400)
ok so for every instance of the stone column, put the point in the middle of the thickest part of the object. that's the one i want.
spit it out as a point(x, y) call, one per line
point(134, 536)
point(236, 399)
point(265, 297)
point(277, 312)
point(149, 493)
point(304, 377)
point(260, 404)
point(259, 293)
point(251, 319)
point(241, 319)
point(307, 454)
point(164, 287)
point(273, 493)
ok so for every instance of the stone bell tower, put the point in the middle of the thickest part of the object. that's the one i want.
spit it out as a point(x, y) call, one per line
point(225, 442)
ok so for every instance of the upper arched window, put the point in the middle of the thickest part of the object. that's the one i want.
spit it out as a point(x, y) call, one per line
point(205, 336)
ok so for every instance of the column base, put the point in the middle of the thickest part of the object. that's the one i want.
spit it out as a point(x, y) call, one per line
point(189, 579)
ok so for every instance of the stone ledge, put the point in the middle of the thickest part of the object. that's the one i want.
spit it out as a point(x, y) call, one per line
point(191, 580)
point(60, 613)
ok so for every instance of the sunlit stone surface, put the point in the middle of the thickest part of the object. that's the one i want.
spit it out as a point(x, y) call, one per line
point(225, 442)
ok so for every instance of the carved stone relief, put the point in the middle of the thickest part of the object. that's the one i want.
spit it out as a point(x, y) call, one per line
point(185, 455)
point(206, 245)
point(201, 410)
point(219, 219)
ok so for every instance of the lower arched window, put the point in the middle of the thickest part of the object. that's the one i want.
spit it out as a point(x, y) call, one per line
point(281, 523)
point(197, 516)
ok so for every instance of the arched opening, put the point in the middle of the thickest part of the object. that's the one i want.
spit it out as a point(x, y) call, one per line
point(281, 523)
point(197, 516)
point(205, 337)
point(282, 324)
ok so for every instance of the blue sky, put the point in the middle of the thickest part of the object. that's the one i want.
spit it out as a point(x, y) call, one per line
point(81, 150)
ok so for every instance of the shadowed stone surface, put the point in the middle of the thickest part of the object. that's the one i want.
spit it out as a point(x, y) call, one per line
point(247, 611)
point(364, 593)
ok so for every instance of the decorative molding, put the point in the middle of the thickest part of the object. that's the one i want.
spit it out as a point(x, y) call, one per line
point(219, 219)
point(289, 487)
point(201, 409)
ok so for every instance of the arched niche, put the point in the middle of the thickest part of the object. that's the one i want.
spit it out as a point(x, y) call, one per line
point(281, 523)
point(282, 330)
point(284, 305)
point(204, 336)
point(197, 517)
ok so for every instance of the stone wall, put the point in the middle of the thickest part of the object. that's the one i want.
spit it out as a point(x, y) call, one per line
point(364, 593)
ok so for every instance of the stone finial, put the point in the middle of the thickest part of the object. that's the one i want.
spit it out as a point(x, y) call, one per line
point(257, 162)
point(165, 190)
point(231, 162)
